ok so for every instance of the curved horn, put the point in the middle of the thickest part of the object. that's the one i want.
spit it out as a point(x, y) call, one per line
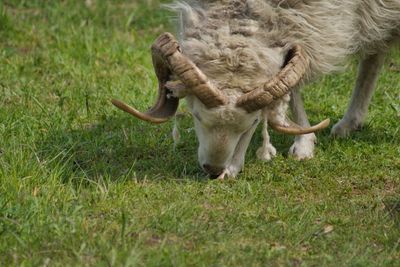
point(189, 74)
point(147, 116)
point(290, 75)
point(294, 129)
point(167, 61)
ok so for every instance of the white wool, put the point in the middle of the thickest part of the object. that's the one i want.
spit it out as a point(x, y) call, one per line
point(241, 36)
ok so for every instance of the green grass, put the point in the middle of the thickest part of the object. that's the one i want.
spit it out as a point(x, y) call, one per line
point(82, 183)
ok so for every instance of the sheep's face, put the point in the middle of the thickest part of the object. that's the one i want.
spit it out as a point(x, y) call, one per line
point(223, 134)
point(235, 66)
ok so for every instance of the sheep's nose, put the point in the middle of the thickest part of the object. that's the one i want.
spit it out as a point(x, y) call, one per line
point(213, 171)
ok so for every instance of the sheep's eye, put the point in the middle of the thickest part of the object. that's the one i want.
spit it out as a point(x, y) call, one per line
point(255, 121)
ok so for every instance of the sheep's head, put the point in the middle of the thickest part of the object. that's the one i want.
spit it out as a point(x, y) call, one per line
point(224, 119)
point(223, 132)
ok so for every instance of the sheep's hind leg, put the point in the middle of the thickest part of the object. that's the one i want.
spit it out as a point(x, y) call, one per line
point(368, 72)
point(303, 146)
point(266, 152)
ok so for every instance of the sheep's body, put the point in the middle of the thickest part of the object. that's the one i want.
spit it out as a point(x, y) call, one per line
point(329, 31)
point(240, 44)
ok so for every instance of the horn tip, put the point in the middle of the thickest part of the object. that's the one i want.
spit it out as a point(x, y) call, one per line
point(140, 115)
point(298, 130)
point(325, 123)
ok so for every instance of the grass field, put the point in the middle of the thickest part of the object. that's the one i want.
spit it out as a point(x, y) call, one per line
point(82, 183)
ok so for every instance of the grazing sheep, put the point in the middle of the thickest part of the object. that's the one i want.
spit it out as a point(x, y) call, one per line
point(238, 60)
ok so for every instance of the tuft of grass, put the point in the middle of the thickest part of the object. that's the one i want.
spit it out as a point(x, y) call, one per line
point(83, 184)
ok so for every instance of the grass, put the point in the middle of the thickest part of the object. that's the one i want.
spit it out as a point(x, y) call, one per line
point(82, 183)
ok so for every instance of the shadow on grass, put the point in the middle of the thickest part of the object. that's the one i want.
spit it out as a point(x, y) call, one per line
point(368, 135)
point(120, 148)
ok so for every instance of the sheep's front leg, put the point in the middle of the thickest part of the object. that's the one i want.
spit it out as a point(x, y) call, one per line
point(303, 146)
point(266, 152)
point(366, 81)
point(237, 161)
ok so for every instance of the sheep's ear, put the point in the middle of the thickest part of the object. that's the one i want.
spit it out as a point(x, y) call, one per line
point(177, 88)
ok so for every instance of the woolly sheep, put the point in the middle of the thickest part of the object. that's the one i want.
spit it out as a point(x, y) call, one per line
point(239, 61)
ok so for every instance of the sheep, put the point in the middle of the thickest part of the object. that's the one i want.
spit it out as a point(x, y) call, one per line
point(239, 62)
